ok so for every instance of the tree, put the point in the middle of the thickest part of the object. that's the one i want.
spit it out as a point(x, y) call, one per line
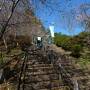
point(12, 4)
point(9, 11)
point(84, 16)
point(17, 18)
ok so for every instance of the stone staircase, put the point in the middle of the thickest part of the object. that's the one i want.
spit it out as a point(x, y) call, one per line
point(42, 76)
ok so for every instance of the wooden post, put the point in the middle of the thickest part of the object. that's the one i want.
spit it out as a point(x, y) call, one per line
point(76, 86)
point(5, 43)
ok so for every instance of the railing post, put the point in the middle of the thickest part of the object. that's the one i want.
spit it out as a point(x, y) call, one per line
point(76, 86)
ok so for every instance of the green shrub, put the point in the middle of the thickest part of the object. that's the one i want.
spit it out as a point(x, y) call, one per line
point(76, 49)
point(62, 41)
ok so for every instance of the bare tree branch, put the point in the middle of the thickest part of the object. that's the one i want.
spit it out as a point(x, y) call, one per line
point(6, 24)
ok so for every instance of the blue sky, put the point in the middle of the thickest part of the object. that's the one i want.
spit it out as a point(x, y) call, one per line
point(61, 13)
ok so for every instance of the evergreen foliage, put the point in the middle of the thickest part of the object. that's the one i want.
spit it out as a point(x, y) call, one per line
point(74, 44)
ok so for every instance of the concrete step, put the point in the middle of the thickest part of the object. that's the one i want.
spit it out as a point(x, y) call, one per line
point(43, 81)
point(40, 78)
point(35, 87)
point(45, 69)
point(61, 88)
point(39, 65)
point(40, 73)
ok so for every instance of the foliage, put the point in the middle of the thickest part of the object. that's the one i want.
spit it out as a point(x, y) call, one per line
point(62, 41)
point(76, 49)
point(84, 60)
point(74, 44)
